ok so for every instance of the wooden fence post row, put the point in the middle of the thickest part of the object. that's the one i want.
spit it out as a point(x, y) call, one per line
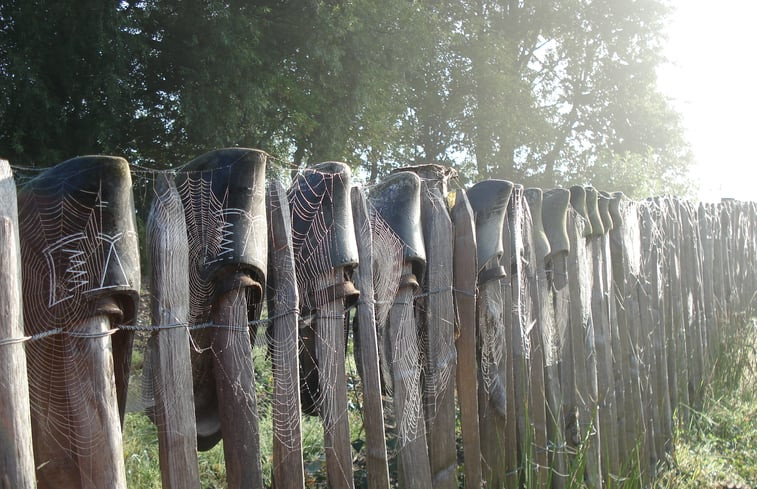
point(569, 325)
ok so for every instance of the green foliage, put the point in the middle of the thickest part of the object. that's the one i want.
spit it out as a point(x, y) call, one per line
point(543, 93)
point(65, 71)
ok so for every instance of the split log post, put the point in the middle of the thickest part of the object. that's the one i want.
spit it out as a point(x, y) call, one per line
point(623, 247)
point(397, 201)
point(652, 321)
point(464, 273)
point(520, 322)
point(660, 334)
point(330, 352)
point(556, 316)
point(600, 317)
point(436, 314)
point(725, 247)
point(489, 200)
point(283, 297)
point(700, 295)
point(708, 257)
point(639, 358)
point(326, 253)
point(725, 240)
point(235, 386)
point(171, 367)
point(413, 464)
point(16, 454)
point(713, 254)
point(696, 337)
point(624, 447)
point(717, 265)
point(568, 366)
point(681, 306)
point(582, 338)
point(375, 440)
point(561, 377)
point(678, 352)
point(495, 398)
point(97, 460)
point(511, 468)
point(647, 318)
point(536, 247)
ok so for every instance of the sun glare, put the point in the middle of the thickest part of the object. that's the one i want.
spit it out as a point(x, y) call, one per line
point(711, 78)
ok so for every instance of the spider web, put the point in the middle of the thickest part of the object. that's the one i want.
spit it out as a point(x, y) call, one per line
point(386, 265)
point(68, 261)
point(493, 341)
point(519, 223)
point(438, 350)
point(70, 256)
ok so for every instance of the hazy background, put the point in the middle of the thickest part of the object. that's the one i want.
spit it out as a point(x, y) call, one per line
point(711, 78)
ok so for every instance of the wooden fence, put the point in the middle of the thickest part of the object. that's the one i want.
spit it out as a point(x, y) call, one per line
point(505, 337)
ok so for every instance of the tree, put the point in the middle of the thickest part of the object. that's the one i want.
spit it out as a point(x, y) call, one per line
point(556, 93)
point(544, 93)
point(64, 80)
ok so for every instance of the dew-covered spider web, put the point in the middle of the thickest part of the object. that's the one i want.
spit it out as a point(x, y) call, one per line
point(81, 278)
point(435, 300)
point(76, 259)
point(212, 300)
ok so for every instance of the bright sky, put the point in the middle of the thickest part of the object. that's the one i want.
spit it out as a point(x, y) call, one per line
point(712, 79)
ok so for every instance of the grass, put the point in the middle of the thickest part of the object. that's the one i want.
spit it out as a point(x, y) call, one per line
point(140, 436)
point(718, 446)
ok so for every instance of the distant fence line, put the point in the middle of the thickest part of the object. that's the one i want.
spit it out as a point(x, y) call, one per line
point(545, 335)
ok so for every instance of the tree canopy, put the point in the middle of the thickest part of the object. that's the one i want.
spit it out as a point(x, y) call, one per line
point(543, 93)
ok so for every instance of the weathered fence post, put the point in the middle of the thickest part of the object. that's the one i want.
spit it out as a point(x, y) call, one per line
point(435, 309)
point(375, 441)
point(465, 273)
point(223, 194)
point(554, 209)
point(397, 200)
point(708, 258)
point(624, 447)
point(718, 266)
point(676, 328)
point(624, 243)
point(725, 250)
point(571, 368)
point(489, 200)
point(653, 324)
point(283, 311)
point(536, 249)
point(519, 332)
point(582, 337)
point(693, 307)
point(600, 314)
point(326, 255)
point(16, 454)
point(727, 238)
point(170, 361)
point(235, 384)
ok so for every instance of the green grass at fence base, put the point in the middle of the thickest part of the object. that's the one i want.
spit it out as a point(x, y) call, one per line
point(140, 435)
point(718, 446)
